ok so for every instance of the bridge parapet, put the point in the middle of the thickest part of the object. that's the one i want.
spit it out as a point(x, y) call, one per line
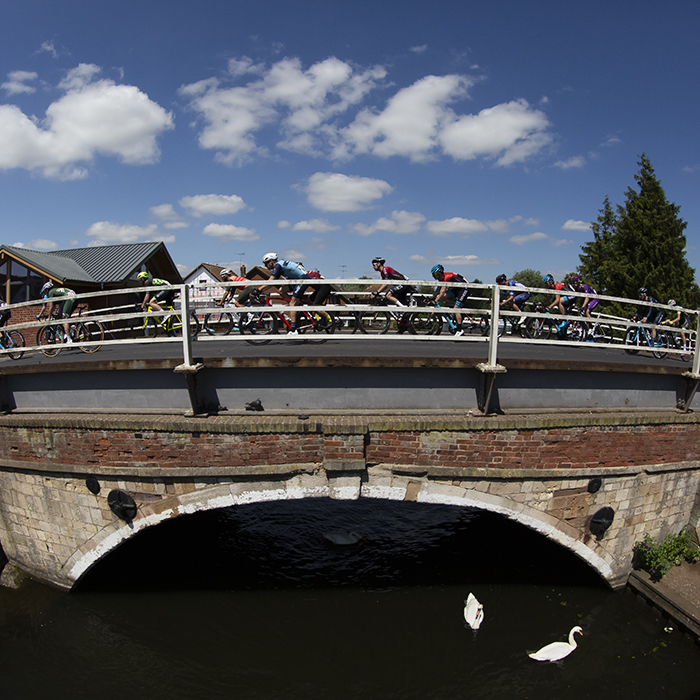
point(541, 471)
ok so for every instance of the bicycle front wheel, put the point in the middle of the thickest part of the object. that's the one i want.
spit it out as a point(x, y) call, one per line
point(538, 328)
point(659, 343)
point(374, 322)
point(49, 339)
point(425, 323)
point(602, 333)
point(220, 323)
point(95, 333)
point(261, 323)
point(14, 341)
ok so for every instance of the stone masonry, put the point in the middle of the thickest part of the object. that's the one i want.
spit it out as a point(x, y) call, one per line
point(532, 469)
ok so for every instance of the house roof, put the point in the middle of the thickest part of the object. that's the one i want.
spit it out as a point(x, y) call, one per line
point(96, 264)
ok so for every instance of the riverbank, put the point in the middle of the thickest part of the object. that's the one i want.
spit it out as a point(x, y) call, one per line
point(676, 596)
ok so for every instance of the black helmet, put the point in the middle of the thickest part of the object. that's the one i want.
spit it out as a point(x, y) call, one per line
point(501, 279)
point(643, 291)
point(378, 260)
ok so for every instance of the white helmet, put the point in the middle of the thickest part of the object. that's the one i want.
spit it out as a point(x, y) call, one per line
point(47, 286)
point(225, 273)
point(268, 257)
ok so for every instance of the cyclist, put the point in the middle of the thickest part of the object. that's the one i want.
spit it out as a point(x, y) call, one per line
point(682, 320)
point(562, 302)
point(156, 300)
point(451, 295)
point(588, 303)
point(397, 293)
point(319, 295)
point(647, 313)
point(292, 271)
point(230, 293)
point(48, 291)
point(513, 300)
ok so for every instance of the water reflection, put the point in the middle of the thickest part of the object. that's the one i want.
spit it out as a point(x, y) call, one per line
point(255, 602)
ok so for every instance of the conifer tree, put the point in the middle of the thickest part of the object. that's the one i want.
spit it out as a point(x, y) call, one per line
point(642, 245)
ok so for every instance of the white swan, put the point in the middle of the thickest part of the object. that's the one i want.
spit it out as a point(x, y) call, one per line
point(557, 650)
point(473, 611)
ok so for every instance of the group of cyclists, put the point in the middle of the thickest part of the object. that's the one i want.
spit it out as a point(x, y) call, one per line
point(564, 295)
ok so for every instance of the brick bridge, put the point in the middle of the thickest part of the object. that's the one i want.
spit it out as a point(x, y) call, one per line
point(551, 472)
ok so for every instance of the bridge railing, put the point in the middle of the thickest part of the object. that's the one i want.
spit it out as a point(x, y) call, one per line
point(125, 322)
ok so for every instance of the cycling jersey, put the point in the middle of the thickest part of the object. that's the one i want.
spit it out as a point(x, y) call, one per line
point(587, 289)
point(653, 314)
point(520, 296)
point(459, 295)
point(69, 304)
point(292, 271)
point(399, 291)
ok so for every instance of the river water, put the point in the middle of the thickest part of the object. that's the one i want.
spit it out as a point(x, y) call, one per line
point(262, 602)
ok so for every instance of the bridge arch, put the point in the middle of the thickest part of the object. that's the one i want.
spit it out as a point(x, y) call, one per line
point(380, 484)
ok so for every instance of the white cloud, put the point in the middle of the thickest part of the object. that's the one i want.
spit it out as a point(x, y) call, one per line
point(521, 240)
point(574, 162)
point(227, 232)
point(109, 233)
point(300, 102)
point(315, 225)
point(38, 244)
point(456, 224)
point(167, 214)
point(212, 204)
point(574, 225)
point(419, 49)
point(48, 47)
point(454, 260)
point(399, 222)
point(509, 132)
point(323, 112)
point(17, 82)
point(283, 224)
point(90, 119)
point(338, 192)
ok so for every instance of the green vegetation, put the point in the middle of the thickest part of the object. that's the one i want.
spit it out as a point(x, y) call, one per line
point(641, 244)
point(658, 557)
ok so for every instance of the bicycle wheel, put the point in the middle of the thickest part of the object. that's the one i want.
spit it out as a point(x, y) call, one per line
point(13, 341)
point(261, 323)
point(486, 326)
point(661, 341)
point(577, 331)
point(538, 328)
point(49, 339)
point(152, 327)
point(173, 325)
point(95, 332)
point(632, 340)
point(676, 341)
point(219, 323)
point(426, 323)
point(602, 333)
point(374, 322)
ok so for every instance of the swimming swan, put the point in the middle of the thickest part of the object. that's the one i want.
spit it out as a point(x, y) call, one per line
point(473, 611)
point(557, 650)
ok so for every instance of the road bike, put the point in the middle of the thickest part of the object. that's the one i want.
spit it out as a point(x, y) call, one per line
point(433, 323)
point(221, 322)
point(268, 322)
point(378, 322)
point(677, 342)
point(170, 324)
point(639, 338)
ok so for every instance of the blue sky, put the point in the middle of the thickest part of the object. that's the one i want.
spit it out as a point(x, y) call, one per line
point(483, 135)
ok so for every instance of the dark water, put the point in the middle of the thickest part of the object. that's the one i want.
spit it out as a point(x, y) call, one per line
point(255, 602)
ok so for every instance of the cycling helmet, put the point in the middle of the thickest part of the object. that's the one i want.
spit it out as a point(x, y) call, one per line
point(547, 279)
point(48, 285)
point(575, 279)
point(671, 302)
point(225, 273)
point(378, 260)
point(501, 279)
point(643, 291)
point(437, 270)
point(142, 276)
point(269, 257)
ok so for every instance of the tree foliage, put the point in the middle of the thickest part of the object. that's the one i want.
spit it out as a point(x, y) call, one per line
point(642, 244)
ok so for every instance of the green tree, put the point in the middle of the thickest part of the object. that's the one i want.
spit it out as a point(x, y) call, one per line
point(642, 245)
point(531, 278)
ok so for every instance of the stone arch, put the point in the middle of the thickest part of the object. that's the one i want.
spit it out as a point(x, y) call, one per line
point(381, 484)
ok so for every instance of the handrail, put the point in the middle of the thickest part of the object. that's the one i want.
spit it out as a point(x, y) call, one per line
point(488, 302)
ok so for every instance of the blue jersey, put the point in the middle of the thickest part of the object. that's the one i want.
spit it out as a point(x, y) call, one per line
point(290, 270)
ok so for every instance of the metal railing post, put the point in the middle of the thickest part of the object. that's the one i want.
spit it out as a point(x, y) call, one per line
point(493, 334)
point(696, 354)
point(186, 338)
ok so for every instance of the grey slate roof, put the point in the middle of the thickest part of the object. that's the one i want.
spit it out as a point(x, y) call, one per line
point(96, 264)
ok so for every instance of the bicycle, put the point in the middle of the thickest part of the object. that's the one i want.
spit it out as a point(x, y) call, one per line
point(51, 339)
point(599, 333)
point(432, 323)
point(379, 322)
point(221, 322)
point(170, 325)
point(675, 341)
point(639, 338)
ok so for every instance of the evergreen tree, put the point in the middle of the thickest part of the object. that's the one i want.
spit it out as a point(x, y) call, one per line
point(642, 245)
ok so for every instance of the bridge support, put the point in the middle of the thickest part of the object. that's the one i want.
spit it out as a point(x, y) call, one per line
point(486, 386)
